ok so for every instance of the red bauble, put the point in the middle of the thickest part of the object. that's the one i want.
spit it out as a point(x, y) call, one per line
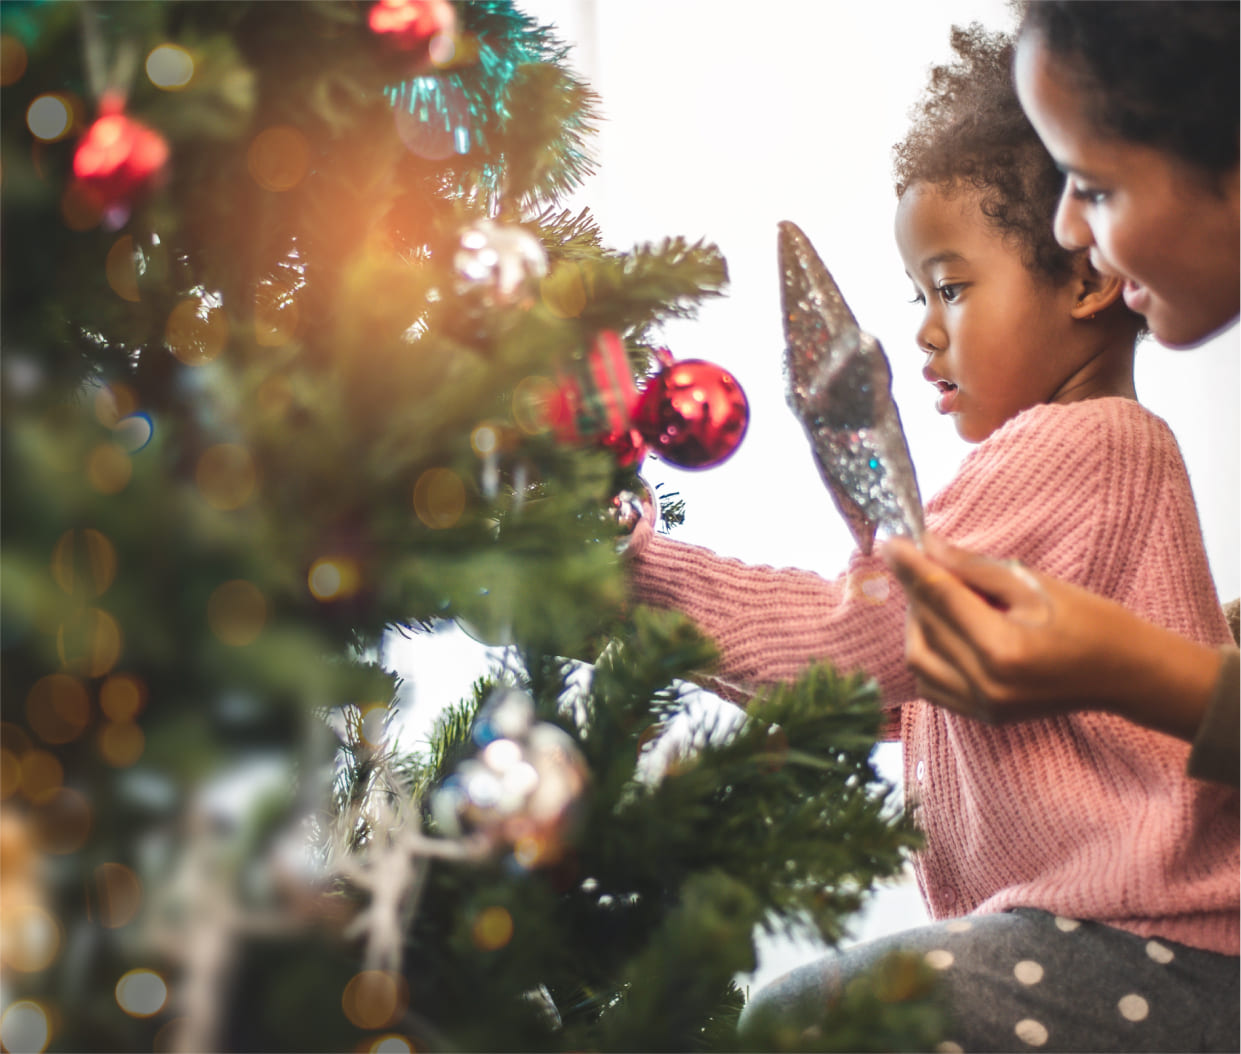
point(118, 158)
point(410, 24)
point(693, 413)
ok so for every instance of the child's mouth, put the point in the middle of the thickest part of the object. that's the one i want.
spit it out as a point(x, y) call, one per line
point(947, 395)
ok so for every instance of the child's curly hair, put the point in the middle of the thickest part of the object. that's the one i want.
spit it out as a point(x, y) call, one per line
point(969, 128)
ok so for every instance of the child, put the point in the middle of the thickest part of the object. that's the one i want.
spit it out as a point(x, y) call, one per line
point(1099, 883)
point(1125, 96)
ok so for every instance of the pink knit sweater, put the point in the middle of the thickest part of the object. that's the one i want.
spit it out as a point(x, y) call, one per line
point(1087, 815)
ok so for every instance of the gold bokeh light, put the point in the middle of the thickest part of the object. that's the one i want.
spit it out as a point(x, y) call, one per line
point(141, 993)
point(374, 998)
point(24, 1026)
point(170, 67)
point(12, 60)
point(42, 775)
point(49, 117)
point(439, 498)
point(89, 642)
point(278, 158)
point(122, 697)
point(108, 468)
point(57, 708)
point(121, 743)
point(333, 578)
point(30, 934)
point(84, 562)
point(492, 929)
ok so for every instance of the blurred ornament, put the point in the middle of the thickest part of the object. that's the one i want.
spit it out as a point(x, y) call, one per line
point(500, 266)
point(118, 159)
point(693, 413)
point(523, 790)
point(433, 116)
point(629, 508)
point(840, 388)
point(595, 401)
point(412, 25)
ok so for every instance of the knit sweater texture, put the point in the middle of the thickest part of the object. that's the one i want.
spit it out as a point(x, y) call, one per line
point(1084, 815)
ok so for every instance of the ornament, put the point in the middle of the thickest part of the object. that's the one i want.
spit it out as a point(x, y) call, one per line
point(629, 508)
point(118, 159)
point(432, 116)
point(499, 266)
point(523, 789)
point(840, 388)
point(595, 400)
point(693, 413)
point(412, 25)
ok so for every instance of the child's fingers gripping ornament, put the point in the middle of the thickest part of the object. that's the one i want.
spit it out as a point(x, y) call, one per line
point(840, 388)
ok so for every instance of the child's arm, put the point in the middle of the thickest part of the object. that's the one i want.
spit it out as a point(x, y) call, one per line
point(770, 623)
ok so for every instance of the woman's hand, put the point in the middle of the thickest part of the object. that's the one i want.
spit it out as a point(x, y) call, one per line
point(998, 642)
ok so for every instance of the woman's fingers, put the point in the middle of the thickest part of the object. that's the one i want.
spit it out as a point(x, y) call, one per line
point(937, 679)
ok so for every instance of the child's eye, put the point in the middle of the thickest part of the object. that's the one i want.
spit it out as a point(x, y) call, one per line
point(949, 291)
point(918, 298)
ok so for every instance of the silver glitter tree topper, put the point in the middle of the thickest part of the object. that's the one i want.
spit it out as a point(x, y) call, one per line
point(840, 388)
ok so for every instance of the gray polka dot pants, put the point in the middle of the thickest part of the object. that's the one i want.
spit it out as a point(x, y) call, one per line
point(1026, 980)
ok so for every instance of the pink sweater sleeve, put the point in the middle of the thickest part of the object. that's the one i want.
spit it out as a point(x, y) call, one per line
point(1026, 491)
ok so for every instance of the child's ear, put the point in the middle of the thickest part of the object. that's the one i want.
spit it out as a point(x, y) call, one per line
point(1095, 292)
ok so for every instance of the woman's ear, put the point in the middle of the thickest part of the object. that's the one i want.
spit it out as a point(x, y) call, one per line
point(1095, 292)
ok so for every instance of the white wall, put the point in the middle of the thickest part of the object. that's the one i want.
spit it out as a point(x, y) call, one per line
point(723, 118)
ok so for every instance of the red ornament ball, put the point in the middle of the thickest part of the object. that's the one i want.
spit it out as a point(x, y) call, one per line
point(411, 24)
point(119, 158)
point(693, 413)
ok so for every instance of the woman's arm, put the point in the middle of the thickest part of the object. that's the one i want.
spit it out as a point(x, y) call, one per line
point(1001, 643)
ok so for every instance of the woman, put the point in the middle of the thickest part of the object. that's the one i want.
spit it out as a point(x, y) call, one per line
point(1136, 103)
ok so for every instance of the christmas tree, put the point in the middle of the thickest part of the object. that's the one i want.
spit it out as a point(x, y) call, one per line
point(298, 347)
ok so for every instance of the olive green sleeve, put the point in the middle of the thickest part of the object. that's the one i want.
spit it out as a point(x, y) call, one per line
point(1216, 753)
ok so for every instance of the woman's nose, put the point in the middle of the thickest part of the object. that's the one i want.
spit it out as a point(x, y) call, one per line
point(1070, 226)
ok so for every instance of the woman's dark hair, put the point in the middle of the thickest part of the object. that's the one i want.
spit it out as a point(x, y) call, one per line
point(1163, 73)
point(969, 130)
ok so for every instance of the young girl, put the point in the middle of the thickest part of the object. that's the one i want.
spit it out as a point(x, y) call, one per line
point(1132, 101)
point(1087, 889)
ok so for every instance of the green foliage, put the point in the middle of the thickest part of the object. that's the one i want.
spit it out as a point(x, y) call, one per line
point(241, 421)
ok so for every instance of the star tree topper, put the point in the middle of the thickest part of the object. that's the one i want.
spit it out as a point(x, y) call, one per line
point(840, 388)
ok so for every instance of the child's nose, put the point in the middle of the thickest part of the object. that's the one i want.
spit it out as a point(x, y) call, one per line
point(1070, 227)
point(930, 336)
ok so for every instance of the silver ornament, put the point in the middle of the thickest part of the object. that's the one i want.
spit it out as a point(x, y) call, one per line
point(839, 385)
point(499, 264)
point(628, 508)
point(522, 790)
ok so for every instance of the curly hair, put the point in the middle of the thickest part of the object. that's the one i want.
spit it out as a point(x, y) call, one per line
point(1162, 73)
point(969, 131)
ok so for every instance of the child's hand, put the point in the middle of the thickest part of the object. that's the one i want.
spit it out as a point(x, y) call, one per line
point(999, 642)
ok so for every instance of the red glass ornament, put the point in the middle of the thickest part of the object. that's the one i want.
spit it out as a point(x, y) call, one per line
point(118, 158)
point(411, 24)
point(693, 413)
